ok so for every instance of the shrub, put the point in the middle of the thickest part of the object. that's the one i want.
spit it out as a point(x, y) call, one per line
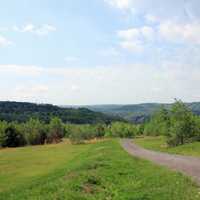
point(120, 129)
point(159, 123)
point(12, 137)
point(77, 136)
point(3, 126)
point(56, 131)
point(35, 132)
point(80, 133)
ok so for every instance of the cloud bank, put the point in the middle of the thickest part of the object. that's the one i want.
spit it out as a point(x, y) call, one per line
point(103, 84)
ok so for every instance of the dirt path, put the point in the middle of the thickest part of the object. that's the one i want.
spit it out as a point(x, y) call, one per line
point(185, 164)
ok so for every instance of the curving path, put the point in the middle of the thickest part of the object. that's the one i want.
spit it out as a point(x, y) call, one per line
point(185, 164)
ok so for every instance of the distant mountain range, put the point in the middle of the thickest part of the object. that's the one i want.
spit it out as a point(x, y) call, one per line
point(138, 113)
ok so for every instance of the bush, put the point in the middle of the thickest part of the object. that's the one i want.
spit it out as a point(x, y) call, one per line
point(3, 126)
point(12, 137)
point(56, 131)
point(120, 129)
point(77, 136)
point(80, 133)
point(35, 132)
point(159, 123)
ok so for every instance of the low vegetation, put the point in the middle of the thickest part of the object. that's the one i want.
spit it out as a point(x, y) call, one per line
point(158, 143)
point(35, 132)
point(80, 133)
point(86, 172)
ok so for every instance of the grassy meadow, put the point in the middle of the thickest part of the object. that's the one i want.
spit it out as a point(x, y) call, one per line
point(97, 171)
point(159, 144)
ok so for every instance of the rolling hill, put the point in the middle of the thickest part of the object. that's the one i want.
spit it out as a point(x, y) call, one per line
point(138, 112)
point(21, 112)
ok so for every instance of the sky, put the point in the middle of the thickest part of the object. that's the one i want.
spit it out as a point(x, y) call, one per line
point(99, 51)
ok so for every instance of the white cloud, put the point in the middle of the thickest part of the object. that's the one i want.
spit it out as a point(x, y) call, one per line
point(148, 33)
point(133, 46)
point(184, 33)
point(135, 39)
point(132, 83)
point(122, 4)
point(32, 90)
point(75, 88)
point(178, 10)
point(21, 70)
point(42, 30)
point(151, 18)
point(129, 34)
point(168, 32)
point(4, 41)
point(29, 92)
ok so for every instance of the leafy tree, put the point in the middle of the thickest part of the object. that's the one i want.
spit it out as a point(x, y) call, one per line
point(100, 130)
point(159, 123)
point(182, 124)
point(12, 137)
point(77, 136)
point(35, 132)
point(3, 126)
point(56, 131)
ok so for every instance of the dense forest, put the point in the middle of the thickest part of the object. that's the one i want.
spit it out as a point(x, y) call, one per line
point(22, 112)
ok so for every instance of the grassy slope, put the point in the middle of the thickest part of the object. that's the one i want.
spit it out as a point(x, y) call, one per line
point(101, 171)
point(159, 144)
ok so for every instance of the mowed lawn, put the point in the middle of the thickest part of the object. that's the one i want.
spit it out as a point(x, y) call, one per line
point(159, 144)
point(99, 171)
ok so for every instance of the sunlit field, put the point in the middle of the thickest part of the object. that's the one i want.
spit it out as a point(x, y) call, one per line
point(159, 144)
point(101, 170)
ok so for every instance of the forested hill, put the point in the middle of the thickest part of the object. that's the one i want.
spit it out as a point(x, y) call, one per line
point(21, 112)
point(138, 112)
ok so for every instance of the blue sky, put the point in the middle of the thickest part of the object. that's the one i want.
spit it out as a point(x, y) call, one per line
point(99, 51)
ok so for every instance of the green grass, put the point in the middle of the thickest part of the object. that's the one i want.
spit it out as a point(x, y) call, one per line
point(159, 144)
point(100, 171)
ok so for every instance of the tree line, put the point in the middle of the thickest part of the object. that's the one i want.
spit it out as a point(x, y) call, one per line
point(36, 132)
point(33, 132)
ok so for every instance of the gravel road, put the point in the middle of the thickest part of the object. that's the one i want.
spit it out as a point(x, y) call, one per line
point(188, 165)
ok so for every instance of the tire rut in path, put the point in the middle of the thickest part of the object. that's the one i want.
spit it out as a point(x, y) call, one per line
point(186, 164)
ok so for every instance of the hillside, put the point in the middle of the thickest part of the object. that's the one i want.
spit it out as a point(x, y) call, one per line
point(21, 112)
point(138, 112)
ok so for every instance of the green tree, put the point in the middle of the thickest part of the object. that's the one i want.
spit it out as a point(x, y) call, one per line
point(182, 124)
point(12, 137)
point(3, 126)
point(121, 129)
point(56, 131)
point(35, 132)
point(159, 123)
